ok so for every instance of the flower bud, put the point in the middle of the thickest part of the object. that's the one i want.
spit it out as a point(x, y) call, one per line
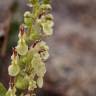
point(48, 30)
point(41, 70)
point(49, 17)
point(44, 55)
point(22, 47)
point(28, 18)
point(40, 82)
point(46, 7)
point(21, 82)
point(41, 46)
point(32, 85)
point(13, 70)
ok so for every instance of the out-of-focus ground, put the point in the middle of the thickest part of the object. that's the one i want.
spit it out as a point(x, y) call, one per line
point(71, 68)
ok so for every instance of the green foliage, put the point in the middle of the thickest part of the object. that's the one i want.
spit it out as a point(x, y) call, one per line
point(27, 67)
point(2, 90)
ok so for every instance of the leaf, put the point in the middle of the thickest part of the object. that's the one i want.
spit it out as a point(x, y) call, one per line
point(2, 90)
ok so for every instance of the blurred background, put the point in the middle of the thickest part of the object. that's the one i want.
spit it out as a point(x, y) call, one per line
point(71, 68)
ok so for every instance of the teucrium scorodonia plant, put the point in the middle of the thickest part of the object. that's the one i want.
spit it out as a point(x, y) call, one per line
point(27, 67)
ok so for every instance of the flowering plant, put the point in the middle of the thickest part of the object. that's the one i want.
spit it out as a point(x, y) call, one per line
point(27, 67)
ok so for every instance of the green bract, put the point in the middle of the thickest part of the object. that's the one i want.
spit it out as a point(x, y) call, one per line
point(27, 67)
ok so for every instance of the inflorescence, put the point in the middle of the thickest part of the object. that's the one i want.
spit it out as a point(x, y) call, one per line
point(27, 67)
